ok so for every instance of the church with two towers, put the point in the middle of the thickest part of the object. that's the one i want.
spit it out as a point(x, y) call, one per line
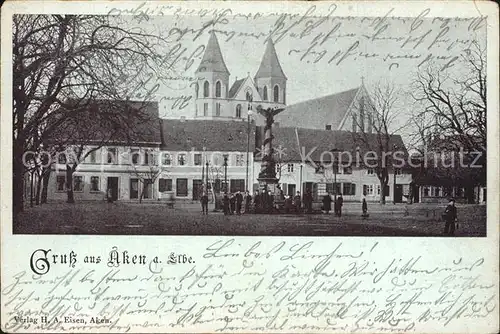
point(217, 99)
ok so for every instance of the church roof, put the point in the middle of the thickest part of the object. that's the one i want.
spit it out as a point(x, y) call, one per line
point(212, 60)
point(270, 65)
point(224, 136)
point(296, 144)
point(315, 113)
point(235, 87)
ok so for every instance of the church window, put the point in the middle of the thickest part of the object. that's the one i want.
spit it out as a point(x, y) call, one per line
point(362, 115)
point(206, 89)
point(238, 111)
point(369, 121)
point(265, 93)
point(249, 96)
point(205, 109)
point(196, 87)
point(354, 122)
point(218, 89)
point(276, 93)
point(217, 109)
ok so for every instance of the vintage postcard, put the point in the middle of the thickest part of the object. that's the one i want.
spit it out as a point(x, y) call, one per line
point(247, 167)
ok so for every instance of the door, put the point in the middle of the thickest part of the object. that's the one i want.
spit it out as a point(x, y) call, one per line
point(148, 189)
point(398, 193)
point(197, 189)
point(291, 189)
point(134, 188)
point(182, 187)
point(113, 185)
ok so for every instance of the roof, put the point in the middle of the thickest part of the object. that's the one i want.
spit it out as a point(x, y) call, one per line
point(270, 65)
point(186, 135)
point(235, 87)
point(106, 121)
point(311, 143)
point(212, 60)
point(315, 113)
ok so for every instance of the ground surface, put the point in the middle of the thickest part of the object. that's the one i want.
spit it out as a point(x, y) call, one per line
point(186, 219)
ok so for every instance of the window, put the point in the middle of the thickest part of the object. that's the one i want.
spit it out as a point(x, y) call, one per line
point(92, 157)
point(238, 111)
point(349, 189)
point(206, 89)
point(147, 158)
point(362, 114)
point(236, 185)
point(181, 159)
point(61, 183)
point(348, 170)
point(240, 161)
point(112, 157)
point(426, 191)
point(61, 158)
point(378, 189)
point(290, 168)
point(94, 183)
point(369, 121)
point(205, 109)
point(328, 127)
point(196, 88)
point(248, 96)
point(134, 188)
point(276, 93)
point(217, 109)
point(134, 156)
point(166, 159)
point(218, 89)
point(77, 183)
point(265, 93)
point(165, 185)
point(354, 122)
point(197, 159)
point(368, 189)
point(397, 171)
point(333, 188)
point(370, 171)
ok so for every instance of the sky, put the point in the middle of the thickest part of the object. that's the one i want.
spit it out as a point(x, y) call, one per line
point(319, 55)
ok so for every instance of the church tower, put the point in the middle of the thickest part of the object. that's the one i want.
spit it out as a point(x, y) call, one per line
point(212, 84)
point(270, 79)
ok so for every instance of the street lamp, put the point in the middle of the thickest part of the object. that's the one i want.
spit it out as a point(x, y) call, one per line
point(249, 114)
point(394, 178)
point(225, 172)
point(206, 186)
point(334, 168)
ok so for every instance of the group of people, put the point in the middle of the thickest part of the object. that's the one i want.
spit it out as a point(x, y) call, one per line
point(337, 205)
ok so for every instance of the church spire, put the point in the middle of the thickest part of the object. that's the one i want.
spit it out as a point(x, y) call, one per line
point(270, 66)
point(212, 60)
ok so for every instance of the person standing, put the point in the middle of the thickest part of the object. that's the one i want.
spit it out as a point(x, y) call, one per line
point(204, 203)
point(450, 217)
point(232, 203)
point(364, 208)
point(308, 201)
point(297, 202)
point(248, 202)
point(340, 200)
point(225, 204)
point(327, 203)
point(256, 202)
point(239, 202)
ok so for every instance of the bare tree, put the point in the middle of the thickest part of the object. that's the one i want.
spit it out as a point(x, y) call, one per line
point(454, 106)
point(145, 169)
point(76, 58)
point(451, 117)
point(375, 127)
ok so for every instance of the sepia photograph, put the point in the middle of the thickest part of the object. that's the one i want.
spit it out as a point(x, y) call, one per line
point(247, 125)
